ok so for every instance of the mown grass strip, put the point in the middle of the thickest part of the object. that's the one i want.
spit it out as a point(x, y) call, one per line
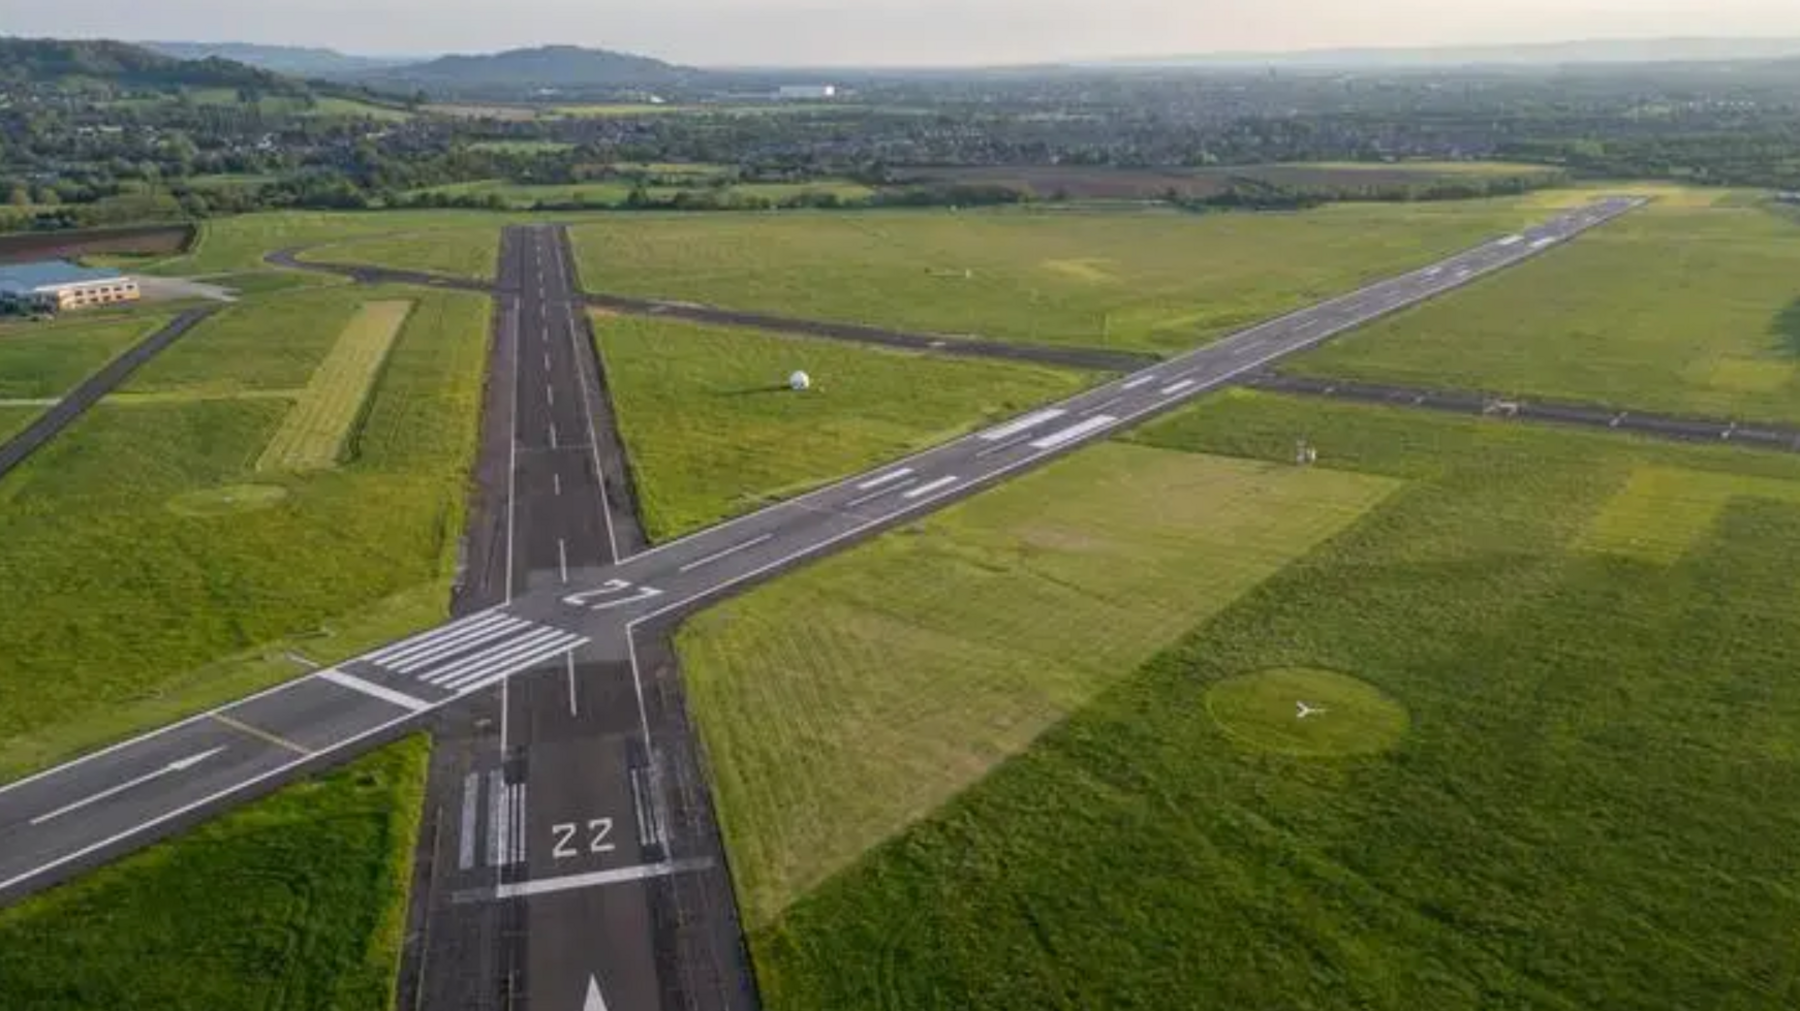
point(313, 435)
point(877, 685)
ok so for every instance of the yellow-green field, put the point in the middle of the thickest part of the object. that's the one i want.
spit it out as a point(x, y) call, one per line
point(1689, 306)
point(879, 684)
point(314, 433)
point(1155, 281)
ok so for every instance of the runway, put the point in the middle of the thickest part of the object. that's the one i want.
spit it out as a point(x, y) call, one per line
point(605, 846)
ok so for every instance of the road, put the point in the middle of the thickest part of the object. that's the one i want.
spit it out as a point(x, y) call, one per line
point(1757, 435)
point(51, 423)
point(86, 811)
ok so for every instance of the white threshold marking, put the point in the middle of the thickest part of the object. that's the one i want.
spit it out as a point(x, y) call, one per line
point(928, 488)
point(388, 651)
point(424, 655)
point(370, 688)
point(574, 706)
point(1018, 425)
point(623, 875)
point(179, 765)
point(1181, 387)
point(1073, 432)
point(497, 819)
point(465, 844)
point(888, 478)
point(502, 659)
point(727, 553)
point(1139, 381)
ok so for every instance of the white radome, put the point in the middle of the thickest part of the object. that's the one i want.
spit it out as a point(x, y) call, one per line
point(799, 382)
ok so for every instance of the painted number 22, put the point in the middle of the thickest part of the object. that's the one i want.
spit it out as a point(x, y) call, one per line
point(566, 846)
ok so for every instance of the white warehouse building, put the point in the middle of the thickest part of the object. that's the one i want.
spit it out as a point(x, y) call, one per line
point(57, 286)
point(814, 92)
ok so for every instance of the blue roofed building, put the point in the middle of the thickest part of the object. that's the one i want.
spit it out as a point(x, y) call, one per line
point(58, 286)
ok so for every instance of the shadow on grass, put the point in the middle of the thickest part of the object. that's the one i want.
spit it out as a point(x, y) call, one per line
point(1786, 329)
point(753, 391)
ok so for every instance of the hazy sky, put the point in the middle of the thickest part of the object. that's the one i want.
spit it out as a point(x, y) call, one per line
point(892, 31)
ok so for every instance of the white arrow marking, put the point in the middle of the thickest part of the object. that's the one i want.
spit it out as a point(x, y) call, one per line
point(606, 589)
point(179, 765)
point(594, 1001)
point(643, 593)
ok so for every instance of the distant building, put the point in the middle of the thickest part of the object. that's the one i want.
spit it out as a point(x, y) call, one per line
point(806, 92)
point(57, 286)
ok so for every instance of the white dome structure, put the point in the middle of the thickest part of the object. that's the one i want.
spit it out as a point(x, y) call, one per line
point(799, 382)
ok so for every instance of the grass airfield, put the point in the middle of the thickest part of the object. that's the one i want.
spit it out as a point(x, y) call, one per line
point(1565, 770)
point(1688, 306)
point(1469, 715)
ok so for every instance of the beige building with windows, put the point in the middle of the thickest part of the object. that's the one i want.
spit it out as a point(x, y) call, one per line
point(58, 286)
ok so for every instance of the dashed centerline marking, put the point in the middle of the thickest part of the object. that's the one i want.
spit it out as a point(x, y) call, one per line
point(1178, 388)
point(727, 553)
point(928, 488)
point(888, 478)
point(1073, 432)
point(889, 490)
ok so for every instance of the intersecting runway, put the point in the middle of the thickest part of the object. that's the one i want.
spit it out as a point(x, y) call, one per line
point(558, 852)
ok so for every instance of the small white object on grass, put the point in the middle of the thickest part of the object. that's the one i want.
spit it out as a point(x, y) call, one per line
point(799, 382)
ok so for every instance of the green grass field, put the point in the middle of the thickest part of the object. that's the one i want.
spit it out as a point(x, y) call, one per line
point(879, 684)
point(1587, 808)
point(1688, 306)
point(49, 359)
point(713, 430)
point(468, 250)
point(613, 193)
point(13, 419)
point(134, 595)
point(296, 902)
point(322, 422)
point(237, 244)
point(1153, 281)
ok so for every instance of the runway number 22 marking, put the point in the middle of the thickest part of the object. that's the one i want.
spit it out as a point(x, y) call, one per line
point(565, 833)
point(614, 589)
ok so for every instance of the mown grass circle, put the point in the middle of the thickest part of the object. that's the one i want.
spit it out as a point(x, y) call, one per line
point(228, 499)
point(1306, 712)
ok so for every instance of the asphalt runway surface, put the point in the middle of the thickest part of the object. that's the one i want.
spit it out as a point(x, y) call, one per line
point(605, 843)
point(1758, 435)
point(1097, 359)
point(553, 778)
point(73, 405)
